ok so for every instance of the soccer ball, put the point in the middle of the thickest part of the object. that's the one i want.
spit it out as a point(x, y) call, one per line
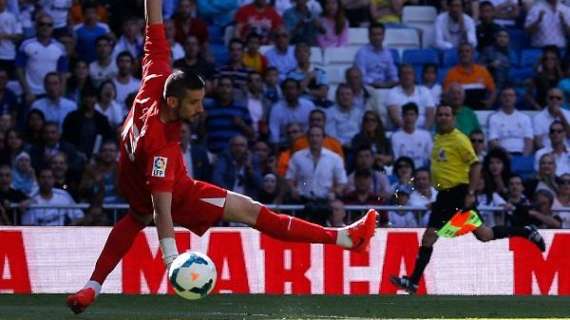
point(192, 275)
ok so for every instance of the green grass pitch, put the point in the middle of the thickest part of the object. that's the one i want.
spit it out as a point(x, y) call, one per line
point(110, 307)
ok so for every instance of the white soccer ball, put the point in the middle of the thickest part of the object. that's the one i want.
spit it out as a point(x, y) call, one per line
point(192, 275)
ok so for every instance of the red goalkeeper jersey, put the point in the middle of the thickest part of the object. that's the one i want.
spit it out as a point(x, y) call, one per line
point(150, 156)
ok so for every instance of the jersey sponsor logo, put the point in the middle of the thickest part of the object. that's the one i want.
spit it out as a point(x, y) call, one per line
point(441, 155)
point(159, 167)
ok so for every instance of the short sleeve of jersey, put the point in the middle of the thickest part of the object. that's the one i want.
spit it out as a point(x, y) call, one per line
point(161, 168)
point(467, 152)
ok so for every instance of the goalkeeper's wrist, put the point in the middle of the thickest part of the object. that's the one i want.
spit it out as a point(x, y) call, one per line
point(169, 250)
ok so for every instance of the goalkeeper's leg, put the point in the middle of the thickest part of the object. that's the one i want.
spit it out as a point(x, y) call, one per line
point(118, 243)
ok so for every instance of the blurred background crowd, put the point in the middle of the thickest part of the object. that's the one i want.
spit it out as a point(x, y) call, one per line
point(322, 103)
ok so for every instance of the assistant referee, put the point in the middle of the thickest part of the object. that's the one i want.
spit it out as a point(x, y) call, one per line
point(455, 171)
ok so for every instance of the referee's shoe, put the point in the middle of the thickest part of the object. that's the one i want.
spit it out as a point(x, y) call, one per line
point(535, 237)
point(404, 283)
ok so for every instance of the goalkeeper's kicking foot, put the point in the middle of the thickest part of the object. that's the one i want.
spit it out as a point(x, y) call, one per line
point(404, 283)
point(362, 231)
point(535, 237)
point(80, 300)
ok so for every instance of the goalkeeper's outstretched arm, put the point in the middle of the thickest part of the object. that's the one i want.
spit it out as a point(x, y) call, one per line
point(153, 11)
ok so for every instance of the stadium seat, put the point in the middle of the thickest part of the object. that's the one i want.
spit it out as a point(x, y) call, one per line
point(519, 75)
point(449, 57)
point(343, 55)
point(523, 166)
point(441, 74)
point(402, 38)
point(420, 56)
point(316, 55)
point(357, 36)
point(220, 52)
point(335, 73)
point(530, 57)
point(483, 117)
point(424, 14)
point(395, 55)
point(215, 34)
point(519, 39)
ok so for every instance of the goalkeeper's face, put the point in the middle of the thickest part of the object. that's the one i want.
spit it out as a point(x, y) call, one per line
point(190, 106)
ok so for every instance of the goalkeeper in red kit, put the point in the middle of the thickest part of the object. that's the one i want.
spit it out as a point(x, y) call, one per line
point(153, 179)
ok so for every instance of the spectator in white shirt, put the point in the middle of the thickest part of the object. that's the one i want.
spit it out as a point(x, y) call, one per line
point(375, 61)
point(10, 33)
point(315, 172)
point(108, 106)
point(410, 141)
point(282, 55)
point(124, 81)
point(402, 218)
point(553, 111)
point(343, 119)
point(37, 57)
point(47, 195)
point(104, 67)
point(510, 128)
point(424, 193)
point(54, 106)
point(290, 109)
point(548, 23)
point(131, 40)
point(257, 104)
point(408, 92)
point(558, 149)
point(486, 197)
point(454, 27)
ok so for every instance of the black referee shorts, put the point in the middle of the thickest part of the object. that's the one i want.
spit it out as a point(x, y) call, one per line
point(447, 203)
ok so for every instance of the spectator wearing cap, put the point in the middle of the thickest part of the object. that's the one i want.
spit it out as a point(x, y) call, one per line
point(39, 56)
point(259, 18)
point(11, 31)
point(54, 106)
point(281, 55)
point(553, 111)
point(558, 149)
point(403, 172)
point(509, 128)
point(291, 108)
point(408, 92)
point(87, 32)
point(454, 27)
point(51, 197)
point(343, 119)
point(410, 141)
point(548, 23)
point(402, 218)
point(376, 62)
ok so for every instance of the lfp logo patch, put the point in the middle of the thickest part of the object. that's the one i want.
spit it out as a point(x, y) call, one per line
point(159, 167)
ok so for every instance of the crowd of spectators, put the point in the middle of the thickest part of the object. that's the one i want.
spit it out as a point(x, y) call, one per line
point(69, 71)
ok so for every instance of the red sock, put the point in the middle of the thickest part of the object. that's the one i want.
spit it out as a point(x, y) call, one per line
point(118, 243)
point(288, 228)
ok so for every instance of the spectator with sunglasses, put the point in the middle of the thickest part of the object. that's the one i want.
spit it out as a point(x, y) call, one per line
point(557, 149)
point(553, 111)
point(477, 138)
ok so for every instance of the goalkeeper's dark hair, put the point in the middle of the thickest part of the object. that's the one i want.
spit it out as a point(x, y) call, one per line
point(179, 81)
